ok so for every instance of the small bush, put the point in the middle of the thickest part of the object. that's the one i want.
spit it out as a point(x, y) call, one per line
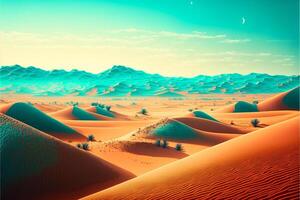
point(91, 138)
point(85, 146)
point(94, 104)
point(79, 146)
point(108, 108)
point(255, 102)
point(164, 144)
point(191, 110)
point(144, 111)
point(157, 143)
point(255, 122)
point(178, 147)
point(100, 105)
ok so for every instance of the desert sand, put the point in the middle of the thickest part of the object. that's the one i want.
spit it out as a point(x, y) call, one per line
point(194, 148)
point(246, 167)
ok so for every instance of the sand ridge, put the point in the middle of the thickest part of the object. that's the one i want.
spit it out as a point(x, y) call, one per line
point(254, 168)
point(69, 172)
point(221, 154)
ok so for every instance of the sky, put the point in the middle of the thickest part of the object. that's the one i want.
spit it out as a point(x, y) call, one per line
point(173, 38)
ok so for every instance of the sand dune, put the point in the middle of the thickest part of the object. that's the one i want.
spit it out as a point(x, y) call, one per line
point(43, 122)
point(73, 113)
point(283, 101)
point(173, 130)
point(35, 165)
point(222, 156)
point(105, 130)
point(138, 156)
point(261, 164)
point(5, 107)
point(265, 117)
point(201, 114)
point(84, 123)
point(210, 126)
point(240, 106)
point(48, 108)
point(255, 114)
point(106, 113)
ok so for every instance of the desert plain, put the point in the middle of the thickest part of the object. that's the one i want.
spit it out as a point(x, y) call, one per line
point(237, 146)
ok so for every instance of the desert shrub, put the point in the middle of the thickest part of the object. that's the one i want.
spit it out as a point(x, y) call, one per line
point(144, 111)
point(94, 104)
point(79, 145)
point(255, 102)
point(164, 144)
point(191, 110)
point(85, 146)
point(157, 143)
point(108, 108)
point(91, 138)
point(103, 106)
point(178, 147)
point(255, 122)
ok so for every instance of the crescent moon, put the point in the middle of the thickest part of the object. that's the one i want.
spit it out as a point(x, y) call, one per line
point(243, 20)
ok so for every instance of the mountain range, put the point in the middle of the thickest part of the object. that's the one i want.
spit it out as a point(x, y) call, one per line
point(120, 81)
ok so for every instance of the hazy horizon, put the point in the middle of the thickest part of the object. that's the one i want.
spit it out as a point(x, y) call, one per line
point(137, 69)
point(186, 38)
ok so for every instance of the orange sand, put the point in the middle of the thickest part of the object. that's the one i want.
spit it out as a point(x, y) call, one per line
point(74, 174)
point(258, 165)
point(229, 159)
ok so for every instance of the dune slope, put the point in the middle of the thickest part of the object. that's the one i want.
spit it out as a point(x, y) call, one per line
point(173, 130)
point(41, 121)
point(257, 165)
point(35, 165)
point(107, 113)
point(203, 115)
point(82, 114)
point(208, 125)
point(240, 106)
point(283, 101)
point(76, 113)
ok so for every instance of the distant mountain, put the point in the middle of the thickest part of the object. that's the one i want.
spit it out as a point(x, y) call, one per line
point(121, 81)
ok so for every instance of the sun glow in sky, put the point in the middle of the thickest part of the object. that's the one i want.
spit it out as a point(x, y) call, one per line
point(176, 38)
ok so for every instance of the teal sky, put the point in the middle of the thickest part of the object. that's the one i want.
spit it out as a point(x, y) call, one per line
point(181, 38)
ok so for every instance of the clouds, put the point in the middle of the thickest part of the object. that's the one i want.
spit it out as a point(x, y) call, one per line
point(165, 52)
point(235, 41)
point(173, 35)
